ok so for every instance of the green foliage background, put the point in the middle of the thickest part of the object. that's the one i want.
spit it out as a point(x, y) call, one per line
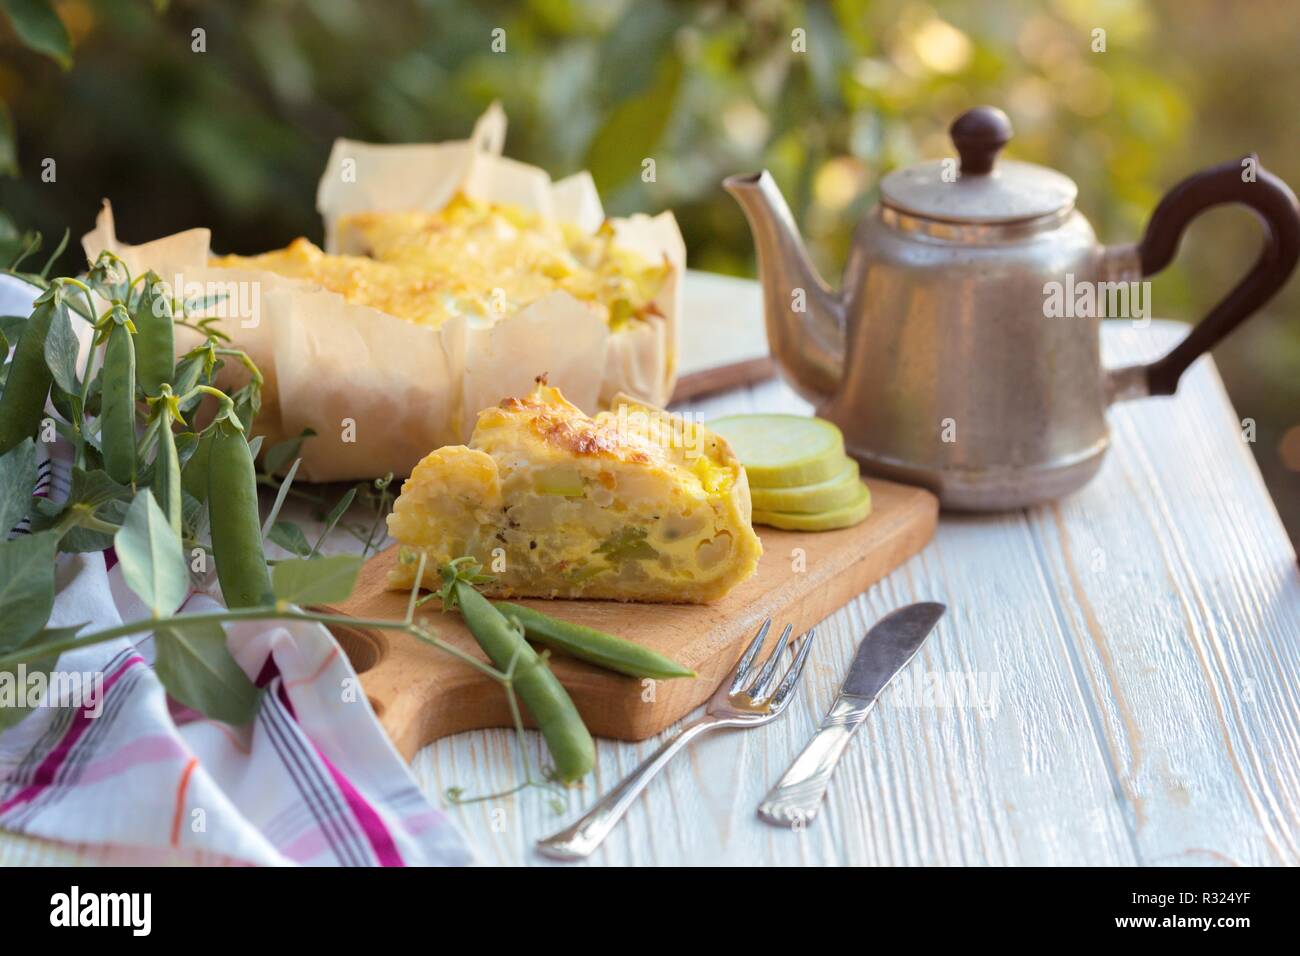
point(235, 137)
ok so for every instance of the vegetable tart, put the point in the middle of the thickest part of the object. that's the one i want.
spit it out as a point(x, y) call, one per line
point(634, 504)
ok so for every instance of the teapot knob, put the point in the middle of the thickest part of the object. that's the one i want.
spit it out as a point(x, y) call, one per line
point(979, 134)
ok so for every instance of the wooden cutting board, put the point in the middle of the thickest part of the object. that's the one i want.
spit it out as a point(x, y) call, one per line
point(421, 693)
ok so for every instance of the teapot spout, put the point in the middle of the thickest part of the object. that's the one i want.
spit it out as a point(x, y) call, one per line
point(804, 317)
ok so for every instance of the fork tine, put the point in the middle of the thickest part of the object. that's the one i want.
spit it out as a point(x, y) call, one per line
point(742, 668)
point(763, 682)
point(791, 677)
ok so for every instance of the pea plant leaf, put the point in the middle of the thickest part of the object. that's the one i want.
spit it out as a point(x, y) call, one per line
point(61, 347)
point(280, 454)
point(318, 581)
point(333, 518)
point(40, 28)
point(280, 495)
point(26, 586)
point(195, 666)
point(17, 481)
point(186, 444)
point(290, 537)
point(93, 488)
point(63, 403)
point(340, 508)
point(11, 326)
point(203, 303)
point(191, 371)
point(149, 551)
point(78, 539)
point(93, 494)
point(194, 515)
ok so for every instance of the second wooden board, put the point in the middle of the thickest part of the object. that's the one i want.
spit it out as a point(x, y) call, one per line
point(421, 693)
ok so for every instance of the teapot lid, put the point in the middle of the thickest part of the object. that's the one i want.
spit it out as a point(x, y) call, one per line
point(980, 188)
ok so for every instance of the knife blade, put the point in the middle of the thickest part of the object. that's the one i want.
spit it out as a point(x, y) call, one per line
point(884, 651)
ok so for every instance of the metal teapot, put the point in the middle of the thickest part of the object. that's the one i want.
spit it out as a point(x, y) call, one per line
point(943, 358)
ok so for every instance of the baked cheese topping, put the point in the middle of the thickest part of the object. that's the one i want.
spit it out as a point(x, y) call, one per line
point(633, 504)
point(485, 260)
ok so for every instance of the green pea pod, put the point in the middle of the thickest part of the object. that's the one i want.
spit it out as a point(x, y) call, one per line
point(117, 408)
point(588, 644)
point(572, 750)
point(194, 477)
point(154, 348)
point(167, 475)
point(28, 385)
point(236, 525)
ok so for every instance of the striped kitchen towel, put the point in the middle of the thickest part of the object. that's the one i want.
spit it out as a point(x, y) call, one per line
point(110, 760)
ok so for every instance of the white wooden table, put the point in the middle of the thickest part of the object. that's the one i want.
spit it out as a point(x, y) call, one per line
point(1131, 661)
point(1130, 658)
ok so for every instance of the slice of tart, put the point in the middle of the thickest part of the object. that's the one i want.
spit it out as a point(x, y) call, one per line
point(632, 505)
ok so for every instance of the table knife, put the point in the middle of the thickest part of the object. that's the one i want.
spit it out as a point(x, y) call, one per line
point(885, 651)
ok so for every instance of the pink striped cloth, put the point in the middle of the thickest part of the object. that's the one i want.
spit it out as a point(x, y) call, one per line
point(311, 780)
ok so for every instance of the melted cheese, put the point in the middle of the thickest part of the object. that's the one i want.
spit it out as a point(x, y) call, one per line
point(486, 260)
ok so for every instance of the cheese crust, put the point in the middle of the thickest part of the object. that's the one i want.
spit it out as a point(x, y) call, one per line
point(486, 260)
point(634, 504)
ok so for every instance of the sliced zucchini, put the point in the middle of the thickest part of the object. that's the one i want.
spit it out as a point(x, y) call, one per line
point(836, 492)
point(842, 517)
point(782, 451)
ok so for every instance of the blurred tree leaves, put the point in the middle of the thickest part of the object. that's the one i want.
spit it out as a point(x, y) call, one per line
point(634, 129)
point(635, 48)
point(234, 138)
point(8, 148)
point(38, 26)
point(16, 244)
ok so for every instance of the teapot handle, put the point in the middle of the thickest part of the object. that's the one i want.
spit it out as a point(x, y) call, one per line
point(1276, 207)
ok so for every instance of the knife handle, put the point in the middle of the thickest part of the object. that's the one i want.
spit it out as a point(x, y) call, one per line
point(797, 796)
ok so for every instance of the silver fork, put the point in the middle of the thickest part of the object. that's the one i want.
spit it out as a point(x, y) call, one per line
point(732, 705)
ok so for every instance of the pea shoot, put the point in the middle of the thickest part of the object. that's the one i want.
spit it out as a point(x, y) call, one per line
point(572, 750)
point(169, 485)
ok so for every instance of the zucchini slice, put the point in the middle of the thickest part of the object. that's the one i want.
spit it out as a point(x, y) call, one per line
point(783, 451)
point(842, 489)
point(843, 517)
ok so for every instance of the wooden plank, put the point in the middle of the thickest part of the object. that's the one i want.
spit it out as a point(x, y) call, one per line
point(422, 693)
point(723, 377)
point(723, 343)
point(1185, 607)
